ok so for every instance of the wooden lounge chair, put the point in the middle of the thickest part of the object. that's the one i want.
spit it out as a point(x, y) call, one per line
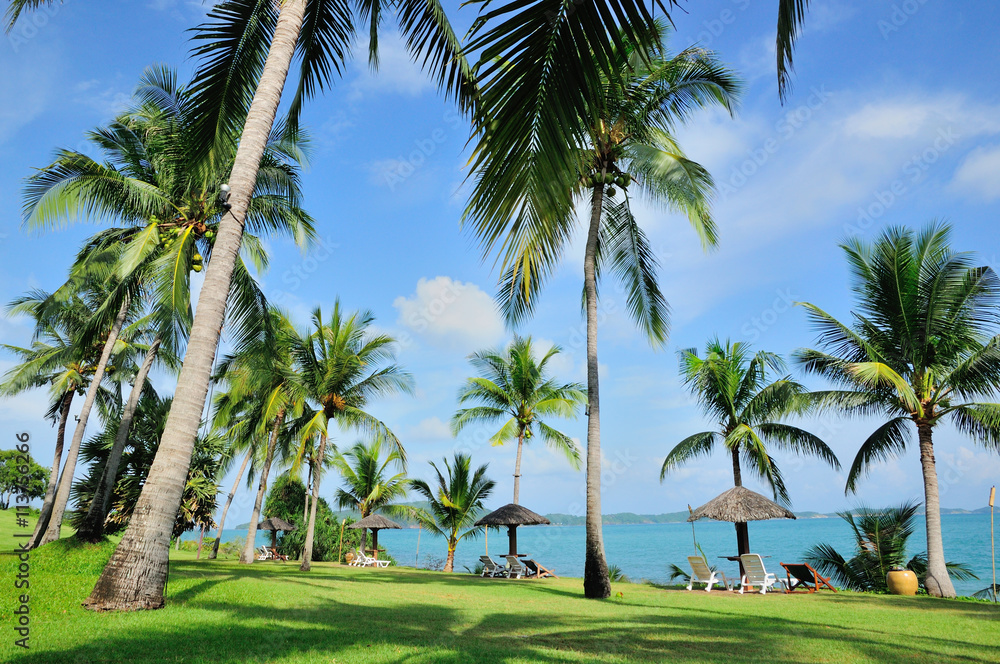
point(805, 576)
point(536, 571)
point(277, 556)
point(515, 570)
point(491, 569)
point(755, 576)
point(702, 573)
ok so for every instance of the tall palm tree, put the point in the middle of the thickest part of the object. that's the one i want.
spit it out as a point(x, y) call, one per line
point(923, 346)
point(169, 204)
point(735, 388)
point(522, 205)
point(513, 387)
point(456, 501)
point(368, 486)
point(342, 366)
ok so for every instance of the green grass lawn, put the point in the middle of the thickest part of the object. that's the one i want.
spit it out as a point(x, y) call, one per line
point(220, 612)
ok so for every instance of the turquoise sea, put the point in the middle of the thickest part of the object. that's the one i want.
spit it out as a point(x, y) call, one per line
point(646, 551)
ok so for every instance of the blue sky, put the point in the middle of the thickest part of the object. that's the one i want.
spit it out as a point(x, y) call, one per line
point(894, 119)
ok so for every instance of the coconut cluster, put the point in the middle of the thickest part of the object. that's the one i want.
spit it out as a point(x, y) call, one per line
point(623, 180)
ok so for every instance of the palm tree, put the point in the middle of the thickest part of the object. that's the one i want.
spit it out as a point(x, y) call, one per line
point(923, 346)
point(455, 502)
point(263, 393)
point(514, 387)
point(735, 389)
point(880, 538)
point(367, 486)
point(169, 203)
point(523, 205)
point(341, 367)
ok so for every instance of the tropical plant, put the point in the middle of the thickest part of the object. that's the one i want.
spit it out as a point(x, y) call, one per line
point(923, 346)
point(880, 537)
point(455, 502)
point(368, 486)
point(616, 575)
point(20, 474)
point(341, 366)
point(524, 200)
point(514, 388)
point(736, 389)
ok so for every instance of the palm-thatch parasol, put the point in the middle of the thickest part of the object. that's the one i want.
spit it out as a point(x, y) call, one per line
point(512, 516)
point(374, 523)
point(274, 524)
point(739, 505)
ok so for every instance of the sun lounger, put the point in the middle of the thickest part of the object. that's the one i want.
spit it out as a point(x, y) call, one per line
point(264, 553)
point(805, 576)
point(536, 571)
point(702, 573)
point(491, 569)
point(755, 576)
point(368, 561)
point(515, 570)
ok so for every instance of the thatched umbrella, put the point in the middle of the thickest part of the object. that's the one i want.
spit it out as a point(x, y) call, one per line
point(374, 523)
point(512, 516)
point(739, 505)
point(274, 524)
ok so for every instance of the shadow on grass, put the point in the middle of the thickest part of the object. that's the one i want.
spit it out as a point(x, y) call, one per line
point(203, 624)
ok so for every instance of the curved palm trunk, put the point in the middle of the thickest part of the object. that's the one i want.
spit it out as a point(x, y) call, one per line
point(51, 533)
point(214, 553)
point(135, 575)
point(93, 525)
point(307, 550)
point(937, 581)
point(596, 583)
point(247, 556)
point(50, 490)
point(517, 468)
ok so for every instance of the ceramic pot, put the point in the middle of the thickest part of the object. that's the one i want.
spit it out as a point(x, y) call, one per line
point(902, 582)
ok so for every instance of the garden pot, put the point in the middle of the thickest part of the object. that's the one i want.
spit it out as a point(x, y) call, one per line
point(902, 582)
point(349, 557)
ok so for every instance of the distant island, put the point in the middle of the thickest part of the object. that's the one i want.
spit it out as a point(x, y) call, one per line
point(625, 518)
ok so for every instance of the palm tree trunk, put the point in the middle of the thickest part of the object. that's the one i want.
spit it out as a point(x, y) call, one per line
point(307, 550)
point(214, 553)
point(92, 528)
point(596, 583)
point(937, 582)
point(517, 468)
point(449, 563)
point(51, 533)
point(135, 575)
point(305, 508)
point(50, 490)
point(742, 531)
point(247, 556)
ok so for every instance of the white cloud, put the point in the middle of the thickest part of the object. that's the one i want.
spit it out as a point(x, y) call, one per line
point(431, 428)
point(396, 73)
point(450, 313)
point(888, 120)
point(979, 174)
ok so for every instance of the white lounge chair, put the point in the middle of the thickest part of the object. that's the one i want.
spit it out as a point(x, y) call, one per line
point(702, 573)
point(755, 576)
point(491, 569)
point(264, 553)
point(515, 570)
point(368, 561)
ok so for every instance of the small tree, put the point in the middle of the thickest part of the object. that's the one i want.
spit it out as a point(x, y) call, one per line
point(13, 479)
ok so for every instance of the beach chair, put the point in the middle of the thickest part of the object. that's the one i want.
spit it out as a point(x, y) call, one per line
point(263, 553)
point(491, 569)
point(805, 576)
point(754, 574)
point(368, 561)
point(702, 573)
point(515, 570)
point(536, 571)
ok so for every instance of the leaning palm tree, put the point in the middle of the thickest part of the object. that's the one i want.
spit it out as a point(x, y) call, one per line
point(923, 346)
point(514, 388)
point(456, 502)
point(368, 487)
point(341, 367)
point(735, 388)
point(523, 205)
